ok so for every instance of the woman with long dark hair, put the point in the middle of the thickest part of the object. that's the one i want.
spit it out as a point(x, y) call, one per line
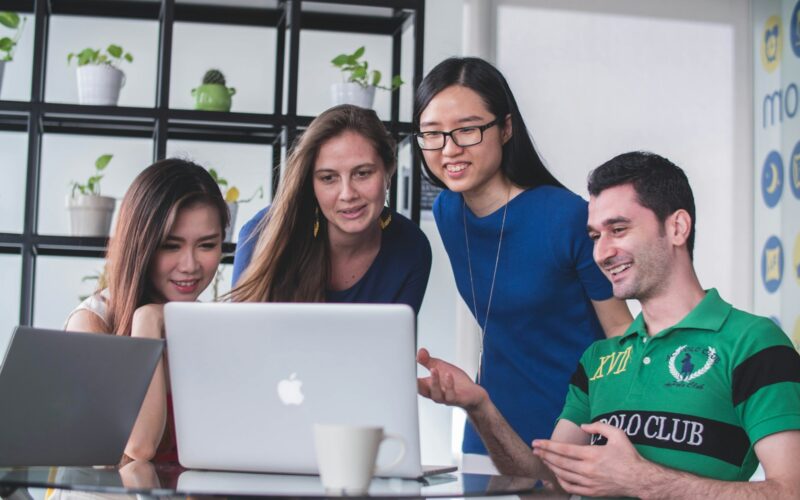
point(517, 243)
point(328, 236)
point(166, 246)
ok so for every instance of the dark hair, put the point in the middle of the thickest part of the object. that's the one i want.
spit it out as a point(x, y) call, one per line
point(290, 263)
point(521, 163)
point(660, 185)
point(146, 216)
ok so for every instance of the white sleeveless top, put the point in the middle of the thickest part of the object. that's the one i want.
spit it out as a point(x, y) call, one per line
point(96, 303)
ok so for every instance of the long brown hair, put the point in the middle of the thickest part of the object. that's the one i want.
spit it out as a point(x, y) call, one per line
point(289, 263)
point(146, 216)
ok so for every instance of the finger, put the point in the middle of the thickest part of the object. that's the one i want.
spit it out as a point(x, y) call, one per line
point(560, 461)
point(601, 428)
point(574, 451)
point(423, 357)
point(567, 475)
point(566, 485)
point(436, 386)
point(449, 386)
point(424, 387)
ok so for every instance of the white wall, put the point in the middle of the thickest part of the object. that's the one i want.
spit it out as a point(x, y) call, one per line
point(595, 79)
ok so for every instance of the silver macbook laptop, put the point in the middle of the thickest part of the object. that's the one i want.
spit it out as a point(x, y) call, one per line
point(249, 381)
point(71, 398)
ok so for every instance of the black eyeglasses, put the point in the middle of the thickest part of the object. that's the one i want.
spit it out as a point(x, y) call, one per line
point(463, 137)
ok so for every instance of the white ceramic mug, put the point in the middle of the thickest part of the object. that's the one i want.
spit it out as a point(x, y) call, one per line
point(346, 456)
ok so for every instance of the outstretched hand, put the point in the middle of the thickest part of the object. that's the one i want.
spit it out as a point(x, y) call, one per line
point(448, 384)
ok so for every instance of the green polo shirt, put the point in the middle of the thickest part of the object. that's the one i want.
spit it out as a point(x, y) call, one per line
point(696, 396)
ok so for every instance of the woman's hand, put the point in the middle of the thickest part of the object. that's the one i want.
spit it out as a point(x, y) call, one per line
point(148, 321)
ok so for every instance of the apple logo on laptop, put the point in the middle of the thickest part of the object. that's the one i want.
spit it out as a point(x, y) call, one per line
point(289, 390)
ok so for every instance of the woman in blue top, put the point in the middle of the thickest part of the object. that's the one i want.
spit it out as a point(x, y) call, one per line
point(328, 236)
point(517, 243)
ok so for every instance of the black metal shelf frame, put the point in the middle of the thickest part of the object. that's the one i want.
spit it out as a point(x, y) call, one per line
point(160, 123)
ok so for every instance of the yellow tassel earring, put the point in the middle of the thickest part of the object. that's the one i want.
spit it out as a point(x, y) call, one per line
point(385, 219)
point(316, 221)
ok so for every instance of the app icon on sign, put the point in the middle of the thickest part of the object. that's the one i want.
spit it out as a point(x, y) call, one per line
point(772, 176)
point(794, 172)
point(772, 264)
point(771, 44)
point(794, 29)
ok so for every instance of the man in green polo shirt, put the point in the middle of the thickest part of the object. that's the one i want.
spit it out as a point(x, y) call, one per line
point(688, 400)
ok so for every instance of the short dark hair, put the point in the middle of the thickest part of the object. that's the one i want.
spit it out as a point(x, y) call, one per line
point(521, 163)
point(660, 185)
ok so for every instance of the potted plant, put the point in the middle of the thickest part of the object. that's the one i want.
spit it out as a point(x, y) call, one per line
point(359, 81)
point(10, 20)
point(90, 213)
point(213, 95)
point(231, 194)
point(99, 76)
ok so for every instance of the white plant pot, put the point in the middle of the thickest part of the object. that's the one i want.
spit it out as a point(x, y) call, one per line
point(2, 67)
point(352, 93)
point(99, 84)
point(90, 215)
point(233, 207)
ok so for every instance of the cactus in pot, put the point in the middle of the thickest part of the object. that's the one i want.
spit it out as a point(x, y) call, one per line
point(213, 95)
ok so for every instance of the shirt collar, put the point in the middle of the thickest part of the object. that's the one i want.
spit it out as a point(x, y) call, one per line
point(709, 314)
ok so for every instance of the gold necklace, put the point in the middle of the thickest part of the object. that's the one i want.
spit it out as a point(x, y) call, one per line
point(494, 275)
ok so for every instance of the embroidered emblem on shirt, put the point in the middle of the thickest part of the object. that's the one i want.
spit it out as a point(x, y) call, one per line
point(684, 364)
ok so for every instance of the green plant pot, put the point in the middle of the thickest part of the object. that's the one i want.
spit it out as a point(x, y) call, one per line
point(213, 97)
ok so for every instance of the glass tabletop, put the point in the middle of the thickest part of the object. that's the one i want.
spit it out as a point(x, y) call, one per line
point(169, 479)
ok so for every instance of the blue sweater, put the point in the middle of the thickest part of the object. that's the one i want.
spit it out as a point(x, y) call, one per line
point(398, 275)
point(541, 318)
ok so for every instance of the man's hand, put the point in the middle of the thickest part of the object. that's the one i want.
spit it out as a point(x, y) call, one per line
point(595, 471)
point(448, 384)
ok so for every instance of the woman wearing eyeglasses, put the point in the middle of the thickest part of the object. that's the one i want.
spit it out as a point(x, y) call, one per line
point(518, 246)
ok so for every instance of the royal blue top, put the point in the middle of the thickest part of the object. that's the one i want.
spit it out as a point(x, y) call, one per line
point(398, 275)
point(541, 317)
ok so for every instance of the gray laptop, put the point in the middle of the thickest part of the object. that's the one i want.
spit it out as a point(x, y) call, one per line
point(71, 398)
point(249, 381)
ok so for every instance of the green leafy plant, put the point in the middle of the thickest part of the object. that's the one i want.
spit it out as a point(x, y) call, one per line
point(113, 56)
point(92, 185)
point(357, 71)
point(232, 192)
point(10, 20)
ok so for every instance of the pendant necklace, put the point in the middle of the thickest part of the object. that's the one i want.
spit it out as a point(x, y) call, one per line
point(494, 275)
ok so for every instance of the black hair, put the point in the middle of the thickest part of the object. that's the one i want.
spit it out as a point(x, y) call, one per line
point(521, 163)
point(660, 185)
